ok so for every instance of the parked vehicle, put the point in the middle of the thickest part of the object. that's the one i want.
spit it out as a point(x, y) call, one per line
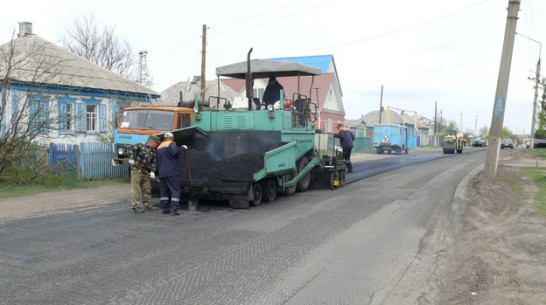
point(453, 143)
point(478, 142)
point(507, 143)
point(390, 138)
point(138, 123)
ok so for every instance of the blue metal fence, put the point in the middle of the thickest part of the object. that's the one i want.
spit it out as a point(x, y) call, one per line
point(89, 160)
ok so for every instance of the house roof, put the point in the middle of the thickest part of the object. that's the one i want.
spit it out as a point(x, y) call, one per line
point(372, 119)
point(320, 61)
point(171, 96)
point(39, 61)
point(325, 63)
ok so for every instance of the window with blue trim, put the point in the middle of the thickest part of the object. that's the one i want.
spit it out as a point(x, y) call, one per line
point(66, 114)
point(38, 114)
point(91, 116)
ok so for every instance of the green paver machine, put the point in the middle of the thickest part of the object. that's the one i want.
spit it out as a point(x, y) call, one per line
point(244, 155)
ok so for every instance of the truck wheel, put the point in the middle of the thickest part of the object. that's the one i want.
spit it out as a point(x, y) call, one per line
point(303, 184)
point(269, 188)
point(257, 192)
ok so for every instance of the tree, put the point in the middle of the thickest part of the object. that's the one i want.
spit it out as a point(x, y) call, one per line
point(483, 132)
point(25, 116)
point(102, 47)
point(451, 128)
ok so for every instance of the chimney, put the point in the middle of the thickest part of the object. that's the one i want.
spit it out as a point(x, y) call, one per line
point(25, 28)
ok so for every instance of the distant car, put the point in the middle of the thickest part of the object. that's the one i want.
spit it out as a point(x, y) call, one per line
point(478, 142)
point(507, 143)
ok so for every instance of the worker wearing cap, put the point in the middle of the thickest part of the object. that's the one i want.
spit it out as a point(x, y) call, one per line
point(169, 174)
point(346, 138)
point(142, 159)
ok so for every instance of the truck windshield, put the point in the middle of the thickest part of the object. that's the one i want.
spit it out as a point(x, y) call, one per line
point(147, 119)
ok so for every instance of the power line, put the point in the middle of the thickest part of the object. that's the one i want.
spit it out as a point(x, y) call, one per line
point(256, 15)
point(275, 19)
point(410, 27)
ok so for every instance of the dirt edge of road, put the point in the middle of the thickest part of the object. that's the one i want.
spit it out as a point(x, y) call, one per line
point(497, 253)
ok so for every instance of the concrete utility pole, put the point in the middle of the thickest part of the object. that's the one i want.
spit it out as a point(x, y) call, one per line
point(492, 157)
point(203, 62)
point(435, 122)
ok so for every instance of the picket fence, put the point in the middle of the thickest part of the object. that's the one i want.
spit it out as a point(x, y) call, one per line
point(87, 161)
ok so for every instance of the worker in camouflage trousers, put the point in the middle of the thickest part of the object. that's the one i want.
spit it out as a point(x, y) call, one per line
point(346, 138)
point(168, 156)
point(142, 159)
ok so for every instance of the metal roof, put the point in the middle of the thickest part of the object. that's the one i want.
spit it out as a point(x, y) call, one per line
point(36, 60)
point(263, 68)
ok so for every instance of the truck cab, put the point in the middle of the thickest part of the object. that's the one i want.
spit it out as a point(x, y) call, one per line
point(138, 123)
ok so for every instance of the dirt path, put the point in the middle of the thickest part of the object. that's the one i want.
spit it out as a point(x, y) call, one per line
point(498, 255)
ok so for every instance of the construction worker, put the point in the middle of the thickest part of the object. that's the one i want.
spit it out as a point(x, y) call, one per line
point(142, 159)
point(272, 92)
point(346, 138)
point(169, 174)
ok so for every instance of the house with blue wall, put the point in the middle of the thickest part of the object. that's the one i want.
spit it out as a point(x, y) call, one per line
point(42, 82)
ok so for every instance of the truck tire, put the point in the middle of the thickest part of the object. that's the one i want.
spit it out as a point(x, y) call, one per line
point(303, 184)
point(269, 188)
point(257, 193)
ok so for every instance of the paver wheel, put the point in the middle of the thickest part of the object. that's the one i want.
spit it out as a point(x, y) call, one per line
point(269, 188)
point(257, 192)
point(290, 190)
point(303, 184)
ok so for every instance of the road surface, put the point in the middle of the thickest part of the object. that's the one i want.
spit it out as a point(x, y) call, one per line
point(374, 241)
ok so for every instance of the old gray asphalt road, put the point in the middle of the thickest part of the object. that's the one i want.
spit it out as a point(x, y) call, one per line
point(375, 241)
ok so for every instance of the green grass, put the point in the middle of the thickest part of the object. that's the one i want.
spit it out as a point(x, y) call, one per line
point(538, 176)
point(537, 153)
point(8, 190)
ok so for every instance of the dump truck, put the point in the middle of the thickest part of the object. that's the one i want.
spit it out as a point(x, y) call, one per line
point(390, 138)
point(247, 156)
point(453, 143)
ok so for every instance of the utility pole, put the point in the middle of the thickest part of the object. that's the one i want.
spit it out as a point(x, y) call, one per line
point(435, 122)
point(380, 104)
point(203, 61)
point(461, 122)
point(492, 157)
point(476, 126)
point(537, 82)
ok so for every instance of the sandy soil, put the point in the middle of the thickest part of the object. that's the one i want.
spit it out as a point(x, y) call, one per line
point(498, 255)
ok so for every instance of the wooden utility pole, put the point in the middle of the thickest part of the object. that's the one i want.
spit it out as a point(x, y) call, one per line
point(203, 61)
point(492, 157)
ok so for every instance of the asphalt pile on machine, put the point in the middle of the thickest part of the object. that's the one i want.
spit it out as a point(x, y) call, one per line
point(204, 169)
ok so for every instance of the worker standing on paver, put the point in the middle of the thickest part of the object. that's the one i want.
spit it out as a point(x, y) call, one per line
point(346, 138)
point(142, 159)
point(169, 174)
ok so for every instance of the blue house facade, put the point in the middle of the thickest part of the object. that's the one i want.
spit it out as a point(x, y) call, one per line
point(72, 99)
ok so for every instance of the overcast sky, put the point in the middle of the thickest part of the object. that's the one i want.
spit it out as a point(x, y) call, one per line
point(422, 52)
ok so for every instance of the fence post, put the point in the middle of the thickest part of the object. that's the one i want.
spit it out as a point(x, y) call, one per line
point(78, 166)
